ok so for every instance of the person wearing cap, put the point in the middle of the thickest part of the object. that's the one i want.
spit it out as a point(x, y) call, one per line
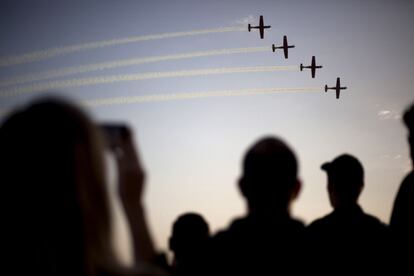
point(267, 240)
point(347, 237)
point(402, 217)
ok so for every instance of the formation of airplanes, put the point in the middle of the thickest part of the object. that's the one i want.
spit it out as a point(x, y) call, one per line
point(286, 48)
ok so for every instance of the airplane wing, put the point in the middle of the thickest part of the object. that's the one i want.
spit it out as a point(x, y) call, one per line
point(261, 33)
point(285, 50)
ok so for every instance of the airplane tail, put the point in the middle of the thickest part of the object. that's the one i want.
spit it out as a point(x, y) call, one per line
point(249, 27)
point(273, 47)
point(326, 88)
point(301, 67)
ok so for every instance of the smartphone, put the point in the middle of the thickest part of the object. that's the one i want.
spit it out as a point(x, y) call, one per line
point(114, 134)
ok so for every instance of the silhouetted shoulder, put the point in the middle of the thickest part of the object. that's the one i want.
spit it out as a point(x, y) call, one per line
point(346, 220)
point(255, 245)
point(321, 225)
point(349, 239)
point(401, 218)
point(321, 222)
point(406, 191)
point(236, 228)
point(250, 224)
point(375, 222)
point(407, 186)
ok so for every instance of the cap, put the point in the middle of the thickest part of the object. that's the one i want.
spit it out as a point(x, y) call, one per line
point(345, 167)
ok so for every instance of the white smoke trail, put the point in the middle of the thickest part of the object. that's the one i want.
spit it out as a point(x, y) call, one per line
point(60, 51)
point(185, 96)
point(54, 85)
point(193, 95)
point(121, 63)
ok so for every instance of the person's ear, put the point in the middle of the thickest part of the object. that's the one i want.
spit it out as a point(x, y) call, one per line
point(296, 189)
point(171, 244)
point(242, 186)
point(360, 188)
point(411, 144)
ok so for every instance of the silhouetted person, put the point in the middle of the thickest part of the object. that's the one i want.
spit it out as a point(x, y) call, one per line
point(347, 239)
point(402, 218)
point(55, 204)
point(189, 242)
point(267, 241)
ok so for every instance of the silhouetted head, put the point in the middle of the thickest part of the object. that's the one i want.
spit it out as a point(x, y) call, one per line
point(345, 180)
point(269, 179)
point(190, 234)
point(53, 184)
point(409, 123)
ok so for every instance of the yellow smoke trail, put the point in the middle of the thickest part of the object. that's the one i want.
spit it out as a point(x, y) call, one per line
point(54, 85)
point(60, 51)
point(123, 62)
point(193, 95)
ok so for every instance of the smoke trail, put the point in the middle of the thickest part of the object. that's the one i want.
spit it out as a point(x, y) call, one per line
point(60, 51)
point(185, 96)
point(194, 95)
point(123, 62)
point(54, 85)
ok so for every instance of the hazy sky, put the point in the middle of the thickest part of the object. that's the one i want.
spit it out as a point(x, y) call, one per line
point(192, 148)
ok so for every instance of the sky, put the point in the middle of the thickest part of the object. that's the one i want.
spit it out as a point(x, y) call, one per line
point(151, 53)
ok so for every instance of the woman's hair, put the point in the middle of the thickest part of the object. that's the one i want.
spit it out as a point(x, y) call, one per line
point(52, 177)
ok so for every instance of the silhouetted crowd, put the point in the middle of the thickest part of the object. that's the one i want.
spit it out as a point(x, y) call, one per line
point(56, 210)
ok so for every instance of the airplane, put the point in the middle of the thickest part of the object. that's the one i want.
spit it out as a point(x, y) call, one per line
point(284, 47)
point(338, 87)
point(261, 27)
point(313, 67)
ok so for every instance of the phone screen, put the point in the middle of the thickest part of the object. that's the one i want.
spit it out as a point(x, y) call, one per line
point(113, 134)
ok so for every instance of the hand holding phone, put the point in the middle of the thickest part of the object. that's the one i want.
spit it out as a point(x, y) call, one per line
point(131, 178)
point(119, 140)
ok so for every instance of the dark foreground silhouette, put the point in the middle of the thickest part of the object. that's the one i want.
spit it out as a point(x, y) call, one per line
point(189, 242)
point(347, 238)
point(267, 241)
point(56, 215)
point(53, 187)
point(402, 218)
